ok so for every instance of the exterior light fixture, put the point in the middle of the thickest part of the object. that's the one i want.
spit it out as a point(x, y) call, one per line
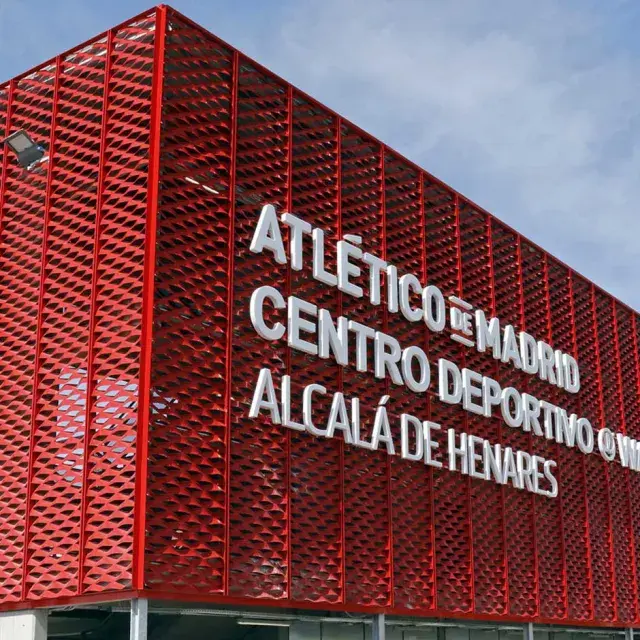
point(27, 151)
point(250, 622)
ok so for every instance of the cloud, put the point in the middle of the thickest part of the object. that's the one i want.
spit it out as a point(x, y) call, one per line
point(528, 109)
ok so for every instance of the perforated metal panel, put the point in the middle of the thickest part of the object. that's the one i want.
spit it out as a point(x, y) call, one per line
point(128, 462)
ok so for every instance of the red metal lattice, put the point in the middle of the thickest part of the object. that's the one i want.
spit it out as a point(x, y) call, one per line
point(315, 481)
point(128, 361)
point(72, 248)
point(191, 312)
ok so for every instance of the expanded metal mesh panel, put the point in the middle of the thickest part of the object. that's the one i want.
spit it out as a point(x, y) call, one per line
point(242, 508)
point(368, 569)
point(572, 479)
point(317, 519)
point(188, 442)
point(22, 228)
point(519, 515)
point(72, 247)
point(487, 499)
point(118, 277)
point(625, 323)
point(548, 513)
point(413, 556)
point(596, 468)
point(616, 475)
point(628, 349)
point(259, 476)
point(177, 134)
point(58, 429)
point(21, 240)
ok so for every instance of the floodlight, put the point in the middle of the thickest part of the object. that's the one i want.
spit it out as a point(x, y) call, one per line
point(26, 150)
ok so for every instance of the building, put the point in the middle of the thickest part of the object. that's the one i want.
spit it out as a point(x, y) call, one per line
point(157, 459)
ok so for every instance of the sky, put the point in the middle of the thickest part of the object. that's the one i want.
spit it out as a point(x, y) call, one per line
point(530, 109)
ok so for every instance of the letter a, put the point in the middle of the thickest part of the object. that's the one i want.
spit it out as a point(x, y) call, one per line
point(259, 402)
point(267, 235)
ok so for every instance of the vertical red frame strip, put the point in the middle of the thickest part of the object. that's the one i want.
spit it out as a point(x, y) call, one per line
point(460, 292)
point(494, 312)
point(343, 535)
point(619, 382)
point(601, 421)
point(532, 512)
point(289, 203)
point(5, 157)
point(636, 361)
point(385, 324)
point(425, 278)
point(92, 310)
point(549, 339)
point(574, 341)
point(38, 340)
point(235, 73)
point(144, 403)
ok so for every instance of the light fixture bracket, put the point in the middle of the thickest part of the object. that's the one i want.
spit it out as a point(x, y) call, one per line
point(27, 152)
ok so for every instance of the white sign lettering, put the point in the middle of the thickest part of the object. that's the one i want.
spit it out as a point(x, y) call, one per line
point(314, 331)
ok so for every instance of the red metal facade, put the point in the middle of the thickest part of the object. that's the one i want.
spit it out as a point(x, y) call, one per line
point(72, 245)
point(127, 360)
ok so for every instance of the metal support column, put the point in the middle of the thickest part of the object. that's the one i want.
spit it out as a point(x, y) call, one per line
point(139, 613)
point(378, 627)
point(528, 631)
point(24, 625)
point(628, 633)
